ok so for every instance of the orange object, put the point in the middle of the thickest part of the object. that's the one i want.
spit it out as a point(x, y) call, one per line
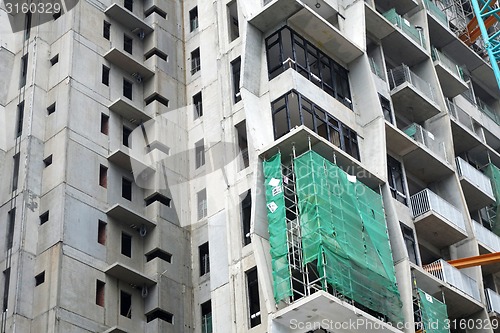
point(473, 32)
point(481, 260)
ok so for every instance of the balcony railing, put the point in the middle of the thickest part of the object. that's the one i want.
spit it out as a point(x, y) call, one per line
point(493, 300)
point(376, 69)
point(486, 109)
point(449, 274)
point(426, 201)
point(462, 117)
point(474, 176)
point(426, 138)
point(206, 323)
point(486, 237)
point(436, 12)
point(447, 62)
point(405, 26)
point(402, 74)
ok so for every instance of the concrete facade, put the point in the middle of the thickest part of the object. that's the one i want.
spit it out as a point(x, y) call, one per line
point(93, 216)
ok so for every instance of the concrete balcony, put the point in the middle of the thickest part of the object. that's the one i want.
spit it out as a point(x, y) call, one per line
point(436, 13)
point(493, 301)
point(436, 220)
point(401, 6)
point(314, 23)
point(322, 306)
point(128, 19)
point(116, 329)
point(127, 160)
point(423, 155)
point(465, 130)
point(129, 111)
point(303, 139)
point(461, 292)
point(127, 63)
point(129, 218)
point(401, 41)
point(413, 97)
point(124, 272)
point(475, 185)
point(488, 241)
point(449, 274)
point(449, 74)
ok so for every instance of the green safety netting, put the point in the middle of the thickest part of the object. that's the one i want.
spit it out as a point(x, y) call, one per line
point(344, 230)
point(494, 174)
point(434, 314)
point(277, 228)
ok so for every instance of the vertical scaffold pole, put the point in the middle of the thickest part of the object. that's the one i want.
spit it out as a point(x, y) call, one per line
point(492, 43)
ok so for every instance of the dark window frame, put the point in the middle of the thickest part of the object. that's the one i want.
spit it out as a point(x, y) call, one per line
point(334, 131)
point(195, 61)
point(199, 151)
point(128, 43)
point(395, 177)
point(236, 76)
point(106, 30)
point(204, 256)
point(206, 317)
point(128, 88)
point(304, 57)
point(202, 204)
point(246, 216)
point(198, 105)
point(127, 189)
point(125, 304)
point(105, 75)
point(20, 119)
point(193, 19)
point(410, 242)
point(253, 297)
point(126, 245)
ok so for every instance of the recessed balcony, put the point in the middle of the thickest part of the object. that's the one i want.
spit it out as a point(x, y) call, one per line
point(475, 185)
point(493, 301)
point(128, 19)
point(442, 280)
point(126, 62)
point(413, 97)
point(424, 156)
point(449, 74)
point(322, 306)
point(464, 129)
point(401, 6)
point(436, 220)
point(401, 41)
point(316, 23)
point(488, 241)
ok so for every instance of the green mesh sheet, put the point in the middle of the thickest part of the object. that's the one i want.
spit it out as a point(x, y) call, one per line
point(434, 314)
point(494, 174)
point(344, 230)
point(277, 227)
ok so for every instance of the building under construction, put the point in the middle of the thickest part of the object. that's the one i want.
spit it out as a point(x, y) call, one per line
point(250, 166)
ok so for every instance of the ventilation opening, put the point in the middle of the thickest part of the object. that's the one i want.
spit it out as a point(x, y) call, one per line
point(101, 232)
point(48, 160)
point(125, 304)
point(99, 293)
point(44, 218)
point(40, 278)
